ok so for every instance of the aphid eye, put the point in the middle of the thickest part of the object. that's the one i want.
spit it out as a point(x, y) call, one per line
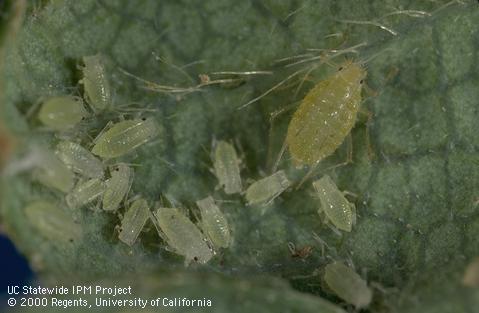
point(361, 81)
point(196, 259)
point(143, 119)
point(71, 240)
point(340, 68)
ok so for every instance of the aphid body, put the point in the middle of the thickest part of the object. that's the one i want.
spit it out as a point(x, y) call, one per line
point(63, 112)
point(267, 189)
point(214, 223)
point(325, 116)
point(182, 235)
point(117, 186)
point(347, 284)
point(124, 137)
point(79, 159)
point(52, 222)
point(95, 83)
point(226, 167)
point(53, 173)
point(134, 220)
point(334, 204)
point(471, 274)
point(85, 192)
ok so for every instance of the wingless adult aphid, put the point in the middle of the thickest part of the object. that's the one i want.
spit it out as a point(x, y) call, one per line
point(117, 186)
point(182, 235)
point(63, 112)
point(85, 192)
point(214, 223)
point(335, 206)
point(124, 137)
point(265, 190)
point(134, 220)
point(52, 222)
point(95, 83)
point(79, 159)
point(226, 167)
point(348, 285)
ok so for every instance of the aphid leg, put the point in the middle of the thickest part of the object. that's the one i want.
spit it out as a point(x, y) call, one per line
point(369, 116)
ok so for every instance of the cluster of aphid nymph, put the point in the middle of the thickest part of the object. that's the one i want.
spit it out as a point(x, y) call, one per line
point(89, 175)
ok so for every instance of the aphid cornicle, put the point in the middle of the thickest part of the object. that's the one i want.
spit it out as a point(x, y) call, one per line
point(124, 137)
point(334, 204)
point(182, 235)
point(325, 116)
point(347, 284)
point(117, 186)
point(85, 192)
point(79, 159)
point(52, 222)
point(214, 223)
point(134, 220)
point(226, 167)
point(53, 173)
point(62, 112)
point(267, 189)
point(95, 83)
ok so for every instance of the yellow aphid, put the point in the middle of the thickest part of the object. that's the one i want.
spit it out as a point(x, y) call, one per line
point(117, 186)
point(85, 192)
point(348, 285)
point(53, 173)
point(326, 115)
point(226, 167)
point(63, 112)
point(95, 83)
point(336, 207)
point(134, 221)
point(52, 222)
point(79, 159)
point(124, 137)
point(214, 223)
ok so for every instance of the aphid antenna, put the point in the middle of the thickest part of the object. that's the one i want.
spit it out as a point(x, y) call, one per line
point(411, 13)
point(460, 2)
point(334, 55)
point(372, 23)
point(245, 73)
point(174, 66)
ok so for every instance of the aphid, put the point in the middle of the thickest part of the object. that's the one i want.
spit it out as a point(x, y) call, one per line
point(117, 186)
point(301, 253)
point(79, 159)
point(214, 223)
point(336, 207)
point(471, 274)
point(52, 172)
point(85, 192)
point(348, 285)
point(265, 190)
point(124, 137)
point(63, 112)
point(182, 235)
point(134, 220)
point(325, 116)
point(95, 83)
point(226, 167)
point(52, 222)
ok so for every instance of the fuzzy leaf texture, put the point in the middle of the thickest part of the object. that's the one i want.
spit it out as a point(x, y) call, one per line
point(415, 167)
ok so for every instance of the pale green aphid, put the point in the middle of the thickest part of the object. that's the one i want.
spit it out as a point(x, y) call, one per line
point(182, 235)
point(124, 137)
point(214, 223)
point(85, 192)
point(336, 207)
point(117, 186)
point(226, 167)
point(52, 222)
point(63, 112)
point(134, 221)
point(265, 190)
point(348, 285)
point(95, 83)
point(79, 159)
point(53, 173)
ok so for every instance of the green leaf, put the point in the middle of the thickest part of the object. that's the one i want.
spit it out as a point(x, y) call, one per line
point(415, 169)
